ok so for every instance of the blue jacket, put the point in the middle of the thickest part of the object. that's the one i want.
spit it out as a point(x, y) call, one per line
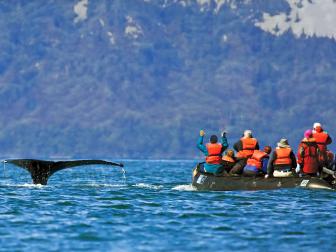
point(255, 169)
point(212, 168)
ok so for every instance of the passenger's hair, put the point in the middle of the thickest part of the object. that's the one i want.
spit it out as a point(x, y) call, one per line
point(213, 139)
point(268, 149)
point(247, 133)
point(230, 153)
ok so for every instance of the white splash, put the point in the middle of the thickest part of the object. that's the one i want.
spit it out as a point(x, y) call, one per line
point(148, 186)
point(26, 185)
point(184, 188)
point(306, 18)
point(104, 185)
point(81, 10)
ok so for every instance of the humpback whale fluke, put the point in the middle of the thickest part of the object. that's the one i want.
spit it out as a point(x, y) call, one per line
point(41, 170)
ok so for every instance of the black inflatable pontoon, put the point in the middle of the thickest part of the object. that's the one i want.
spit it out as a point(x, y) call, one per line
point(41, 170)
point(206, 181)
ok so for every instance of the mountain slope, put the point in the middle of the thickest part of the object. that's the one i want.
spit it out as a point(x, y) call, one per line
point(140, 78)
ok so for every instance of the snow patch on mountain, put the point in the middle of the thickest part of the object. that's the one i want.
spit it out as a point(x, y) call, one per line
point(132, 29)
point(80, 10)
point(206, 4)
point(306, 18)
point(102, 23)
point(219, 4)
point(111, 37)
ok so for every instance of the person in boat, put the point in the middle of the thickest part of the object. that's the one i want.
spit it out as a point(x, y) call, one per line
point(333, 165)
point(328, 173)
point(322, 139)
point(257, 163)
point(228, 160)
point(282, 161)
point(331, 160)
point(245, 148)
point(308, 155)
point(213, 152)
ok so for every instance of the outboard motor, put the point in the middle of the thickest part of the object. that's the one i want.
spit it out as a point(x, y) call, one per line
point(331, 176)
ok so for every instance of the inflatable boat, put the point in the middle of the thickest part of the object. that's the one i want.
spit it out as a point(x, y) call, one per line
point(210, 182)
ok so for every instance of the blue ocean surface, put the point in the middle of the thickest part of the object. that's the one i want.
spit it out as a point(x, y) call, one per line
point(153, 207)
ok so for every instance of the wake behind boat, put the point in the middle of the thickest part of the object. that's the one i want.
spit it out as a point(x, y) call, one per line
point(210, 182)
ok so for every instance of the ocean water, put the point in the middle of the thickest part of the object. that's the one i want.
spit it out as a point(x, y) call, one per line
point(152, 207)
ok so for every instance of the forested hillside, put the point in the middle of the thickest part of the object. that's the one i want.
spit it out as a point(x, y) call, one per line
point(140, 78)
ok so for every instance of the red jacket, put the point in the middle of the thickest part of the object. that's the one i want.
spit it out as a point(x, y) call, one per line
point(308, 155)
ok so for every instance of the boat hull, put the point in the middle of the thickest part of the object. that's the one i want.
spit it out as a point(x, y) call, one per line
point(210, 182)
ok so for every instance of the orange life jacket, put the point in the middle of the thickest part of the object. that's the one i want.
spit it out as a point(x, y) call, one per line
point(214, 153)
point(228, 159)
point(283, 156)
point(321, 140)
point(256, 159)
point(249, 145)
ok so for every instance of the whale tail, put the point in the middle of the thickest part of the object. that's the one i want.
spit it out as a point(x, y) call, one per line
point(41, 170)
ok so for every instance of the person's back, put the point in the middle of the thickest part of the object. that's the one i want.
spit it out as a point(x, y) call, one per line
point(246, 145)
point(245, 148)
point(322, 139)
point(213, 152)
point(331, 159)
point(228, 160)
point(282, 161)
point(308, 154)
point(257, 163)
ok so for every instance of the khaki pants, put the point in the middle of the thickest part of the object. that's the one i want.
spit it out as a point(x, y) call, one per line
point(282, 174)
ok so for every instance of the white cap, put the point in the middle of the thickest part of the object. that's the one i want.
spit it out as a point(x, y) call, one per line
point(317, 124)
point(247, 133)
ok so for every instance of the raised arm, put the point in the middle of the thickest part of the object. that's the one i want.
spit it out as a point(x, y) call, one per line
point(200, 144)
point(225, 143)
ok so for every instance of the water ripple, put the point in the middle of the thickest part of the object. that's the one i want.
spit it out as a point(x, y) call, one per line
point(98, 210)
